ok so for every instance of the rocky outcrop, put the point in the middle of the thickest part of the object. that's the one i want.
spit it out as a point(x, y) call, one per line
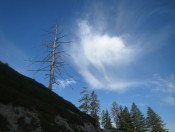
point(20, 119)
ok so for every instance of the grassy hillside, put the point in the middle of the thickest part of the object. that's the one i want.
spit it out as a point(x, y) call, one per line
point(19, 90)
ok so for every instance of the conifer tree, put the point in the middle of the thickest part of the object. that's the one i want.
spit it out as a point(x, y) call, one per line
point(126, 122)
point(115, 111)
point(94, 107)
point(103, 119)
point(106, 120)
point(154, 121)
point(138, 119)
point(85, 100)
point(120, 117)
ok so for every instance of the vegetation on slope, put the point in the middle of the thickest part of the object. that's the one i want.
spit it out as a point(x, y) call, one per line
point(19, 90)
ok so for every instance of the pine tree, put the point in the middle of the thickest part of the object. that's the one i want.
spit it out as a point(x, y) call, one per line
point(106, 120)
point(84, 107)
point(126, 122)
point(115, 111)
point(94, 107)
point(154, 121)
point(138, 119)
point(103, 122)
point(120, 117)
point(103, 119)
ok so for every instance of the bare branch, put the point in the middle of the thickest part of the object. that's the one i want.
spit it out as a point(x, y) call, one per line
point(54, 59)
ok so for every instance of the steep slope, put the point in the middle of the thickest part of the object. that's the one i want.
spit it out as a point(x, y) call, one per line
point(28, 106)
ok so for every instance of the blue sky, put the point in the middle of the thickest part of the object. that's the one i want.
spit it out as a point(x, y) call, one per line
point(123, 49)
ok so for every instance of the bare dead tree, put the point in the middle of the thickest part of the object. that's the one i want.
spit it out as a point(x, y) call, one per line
point(53, 62)
point(52, 66)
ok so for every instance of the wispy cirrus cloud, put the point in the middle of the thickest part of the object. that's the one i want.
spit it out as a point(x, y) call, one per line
point(108, 42)
point(166, 87)
point(170, 100)
point(67, 82)
point(97, 54)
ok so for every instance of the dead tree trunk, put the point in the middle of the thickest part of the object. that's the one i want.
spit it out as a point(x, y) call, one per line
point(53, 63)
point(52, 66)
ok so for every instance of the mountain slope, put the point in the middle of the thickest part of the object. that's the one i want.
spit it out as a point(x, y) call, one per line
point(26, 105)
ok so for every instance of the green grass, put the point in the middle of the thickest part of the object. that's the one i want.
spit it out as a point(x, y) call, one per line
point(20, 90)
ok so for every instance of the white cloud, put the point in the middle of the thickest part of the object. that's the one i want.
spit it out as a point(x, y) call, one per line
point(169, 100)
point(65, 83)
point(97, 55)
point(165, 87)
point(109, 41)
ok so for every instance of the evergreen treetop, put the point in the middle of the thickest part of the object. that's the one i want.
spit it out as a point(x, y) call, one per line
point(85, 100)
point(126, 120)
point(138, 119)
point(154, 121)
point(106, 120)
point(94, 107)
point(115, 112)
